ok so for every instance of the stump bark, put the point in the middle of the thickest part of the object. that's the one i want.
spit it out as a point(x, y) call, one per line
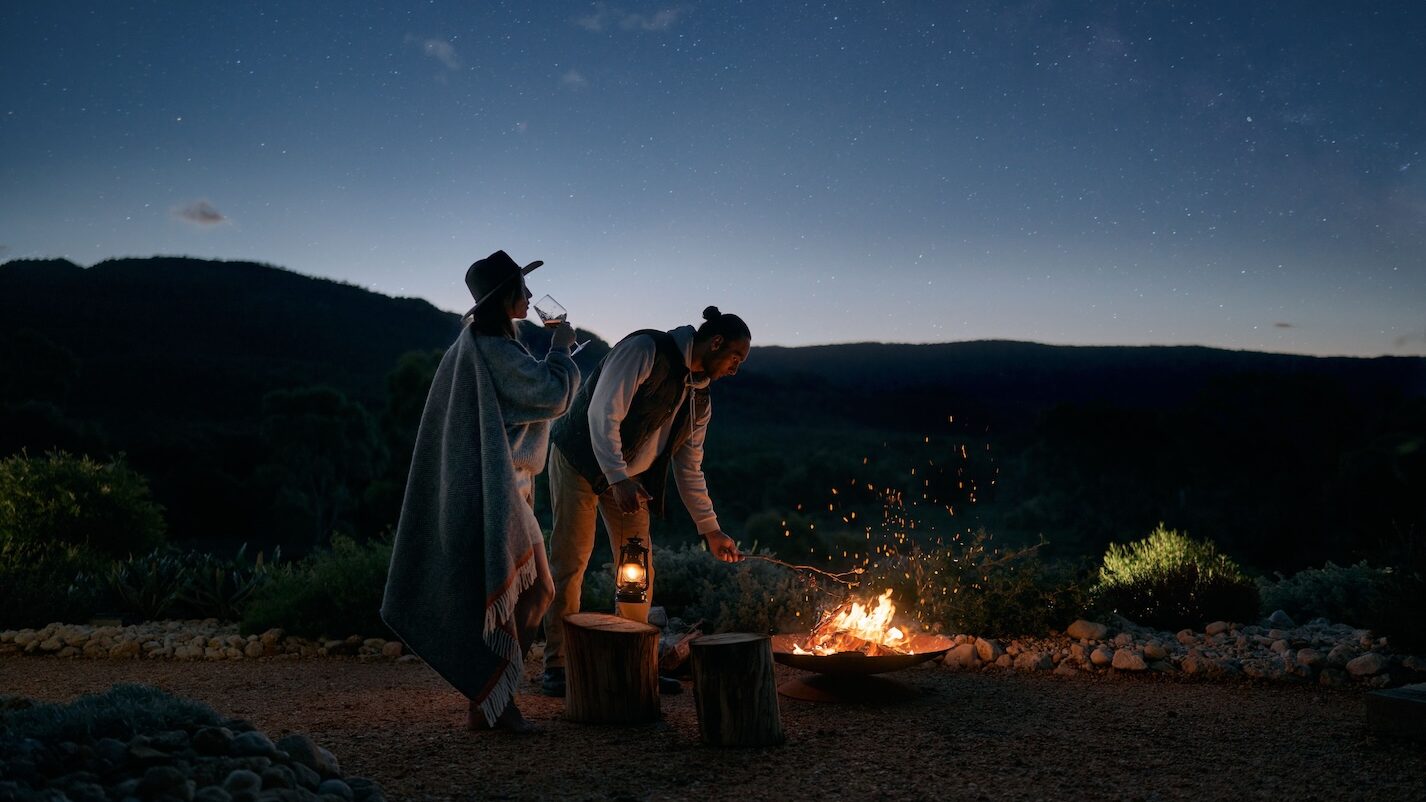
point(611, 669)
point(734, 692)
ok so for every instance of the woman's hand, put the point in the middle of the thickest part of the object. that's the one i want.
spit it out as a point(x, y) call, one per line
point(563, 336)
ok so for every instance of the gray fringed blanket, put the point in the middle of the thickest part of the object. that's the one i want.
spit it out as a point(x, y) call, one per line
point(464, 547)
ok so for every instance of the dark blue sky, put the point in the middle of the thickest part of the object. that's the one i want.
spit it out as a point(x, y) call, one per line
point(1237, 174)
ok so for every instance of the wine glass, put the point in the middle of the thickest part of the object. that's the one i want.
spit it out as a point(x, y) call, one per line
point(552, 314)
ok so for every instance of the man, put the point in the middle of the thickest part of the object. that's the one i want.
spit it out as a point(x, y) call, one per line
point(644, 407)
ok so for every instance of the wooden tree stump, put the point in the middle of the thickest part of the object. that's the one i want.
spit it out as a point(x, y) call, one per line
point(611, 669)
point(734, 692)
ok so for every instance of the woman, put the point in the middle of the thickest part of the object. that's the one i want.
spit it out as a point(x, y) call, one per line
point(469, 580)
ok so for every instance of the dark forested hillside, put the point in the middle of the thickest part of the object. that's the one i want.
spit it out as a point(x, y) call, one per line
point(238, 388)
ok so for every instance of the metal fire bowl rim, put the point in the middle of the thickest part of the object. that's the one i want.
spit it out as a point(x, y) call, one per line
point(927, 647)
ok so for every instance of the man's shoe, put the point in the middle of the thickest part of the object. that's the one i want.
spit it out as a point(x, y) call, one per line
point(552, 682)
point(668, 686)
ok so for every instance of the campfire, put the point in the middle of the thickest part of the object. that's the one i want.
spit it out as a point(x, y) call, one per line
point(856, 627)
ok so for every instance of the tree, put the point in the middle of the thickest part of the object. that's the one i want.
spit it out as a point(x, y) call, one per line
point(322, 451)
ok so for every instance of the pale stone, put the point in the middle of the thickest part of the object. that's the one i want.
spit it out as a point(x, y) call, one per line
point(1101, 656)
point(962, 657)
point(988, 650)
point(1163, 667)
point(1123, 639)
point(1366, 665)
point(1186, 636)
point(271, 637)
point(1079, 653)
point(1310, 657)
point(1153, 650)
point(1215, 628)
point(394, 648)
point(1004, 661)
point(1065, 669)
point(1129, 660)
point(253, 649)
point(1033, 661)
point(1087, 630)
point(127, 648)
point(1280, 646)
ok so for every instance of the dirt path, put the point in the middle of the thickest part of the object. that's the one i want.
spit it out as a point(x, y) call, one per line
point(1004, 735)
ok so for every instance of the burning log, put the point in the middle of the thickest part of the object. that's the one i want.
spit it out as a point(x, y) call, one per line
point(733, 690)
point(611, 669)
point(854, 627)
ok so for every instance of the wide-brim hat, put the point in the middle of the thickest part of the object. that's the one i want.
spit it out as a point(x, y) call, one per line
point(486, 277)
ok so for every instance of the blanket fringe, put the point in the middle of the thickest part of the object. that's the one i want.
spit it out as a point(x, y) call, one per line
point(500, 641)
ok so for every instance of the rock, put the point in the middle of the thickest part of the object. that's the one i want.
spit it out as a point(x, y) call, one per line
point(1280, 646)
point(1123, 639)
point(1366, 665)
point(254, 649)
point(278, 776)
point(1186, 636)
point(393, 648)
point(217, 741)
point(1004, 661)
point(51, 645)
point(212, 793)
point(126, 648)
point(1079, 653)
point(1129, 660)
point(1034, 661)
point(253, 744)
point(306, 777)
point(408, 658)
point(988, 650)
point(302, 750)
point(1340, 655)
point(1087, 630)
point(336, 788)
point(962, 657)
point(164, 781)
point(1310, 658)
point(1066, 668)
point(1281, 620)
point(1163, 667)
point(243, 781)
point(1101, 656)
point(1215, 628)
point(1153, 650)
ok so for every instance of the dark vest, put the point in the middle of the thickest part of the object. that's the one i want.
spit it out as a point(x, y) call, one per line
point(654, 402)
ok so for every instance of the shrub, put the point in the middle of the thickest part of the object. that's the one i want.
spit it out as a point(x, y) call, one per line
point(121, 712)
point(1385, 600)
point(691, 584)
point(147, 586)
point(1170, 581)
point(76, 501)
point(971, 586)
point(335, 592)
point(45, 583)
point(220, 588)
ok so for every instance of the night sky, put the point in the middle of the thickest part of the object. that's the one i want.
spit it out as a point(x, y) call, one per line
point(1236, 174)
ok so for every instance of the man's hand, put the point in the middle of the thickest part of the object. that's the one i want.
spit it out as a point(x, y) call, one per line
point(563, 336)
point(629, 495)
point(722, 546)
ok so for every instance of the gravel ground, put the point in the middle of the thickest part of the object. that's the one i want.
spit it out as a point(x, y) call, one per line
point(992, 735)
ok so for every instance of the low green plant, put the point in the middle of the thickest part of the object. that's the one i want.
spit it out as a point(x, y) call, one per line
point(220, 588)
point(46, 583)
point(77, 501)
point(123, 711)
point(1169, 581)
point(148, 586)
point(335, 592)
point(1386, 600)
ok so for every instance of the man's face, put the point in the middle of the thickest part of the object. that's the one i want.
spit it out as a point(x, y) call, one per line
point(725, 357)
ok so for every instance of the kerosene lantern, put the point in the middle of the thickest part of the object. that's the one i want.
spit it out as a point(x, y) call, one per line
point(632, 584)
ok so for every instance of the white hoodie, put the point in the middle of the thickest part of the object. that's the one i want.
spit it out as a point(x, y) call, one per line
point(626, 367)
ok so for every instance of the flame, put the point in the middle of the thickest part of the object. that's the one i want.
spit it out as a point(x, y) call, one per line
point(855, 627)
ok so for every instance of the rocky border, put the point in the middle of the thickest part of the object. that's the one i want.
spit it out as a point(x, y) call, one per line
point(1277, 649)
point(207, 639)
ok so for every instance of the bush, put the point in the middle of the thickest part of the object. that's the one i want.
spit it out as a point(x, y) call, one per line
point(45, 583)
point(220, 588)
point(970, 586)
point(121, 712)
point(147, 586)
point(1170, 581)
point(76, 501)
point(1385, 600)
point(691, 584)
point(335, 592)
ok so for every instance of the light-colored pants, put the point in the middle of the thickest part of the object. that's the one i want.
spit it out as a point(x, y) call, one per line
point(572, 542)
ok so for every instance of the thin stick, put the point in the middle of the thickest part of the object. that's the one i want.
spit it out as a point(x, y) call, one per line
point(842, 577)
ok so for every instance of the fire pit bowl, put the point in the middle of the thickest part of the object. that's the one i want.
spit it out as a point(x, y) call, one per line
point(847, 676)
point(922, 648)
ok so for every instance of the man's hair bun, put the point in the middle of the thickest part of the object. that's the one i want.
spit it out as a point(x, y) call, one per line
point(711, 313)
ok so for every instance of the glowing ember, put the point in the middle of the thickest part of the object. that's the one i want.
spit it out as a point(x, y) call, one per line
point(855, 627)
